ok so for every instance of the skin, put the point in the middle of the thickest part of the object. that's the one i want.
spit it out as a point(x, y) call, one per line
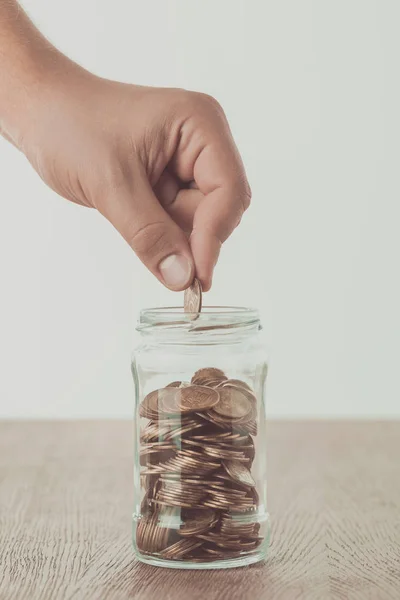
point(160, 164)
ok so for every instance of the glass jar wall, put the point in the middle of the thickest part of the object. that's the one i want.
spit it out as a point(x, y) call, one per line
point(200, 454)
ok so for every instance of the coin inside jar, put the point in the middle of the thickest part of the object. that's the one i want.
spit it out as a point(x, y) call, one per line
point(197, 453)
point(198, 522)
point(210, 374)
point(168, 400)
point(197, 398)
point(232, 403)
point(174, 384)
point(239, 472)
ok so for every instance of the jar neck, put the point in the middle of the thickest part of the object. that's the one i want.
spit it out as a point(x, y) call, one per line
point(214, 325)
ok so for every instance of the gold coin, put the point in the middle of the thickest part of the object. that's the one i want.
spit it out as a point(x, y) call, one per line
point(232, 403)
point(239, 472)
point(193, 299)
point(196, 398)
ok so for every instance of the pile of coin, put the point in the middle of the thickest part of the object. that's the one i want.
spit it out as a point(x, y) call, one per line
point(197, 449)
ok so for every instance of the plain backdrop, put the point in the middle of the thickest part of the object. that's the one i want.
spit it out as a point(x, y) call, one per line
point(311, 90)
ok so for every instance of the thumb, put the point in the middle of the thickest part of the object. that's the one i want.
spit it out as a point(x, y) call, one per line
point(157, 240)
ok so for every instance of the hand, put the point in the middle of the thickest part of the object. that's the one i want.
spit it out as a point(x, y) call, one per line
point(159, 164)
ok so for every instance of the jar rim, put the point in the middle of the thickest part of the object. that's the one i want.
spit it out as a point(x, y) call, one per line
point(211, 317)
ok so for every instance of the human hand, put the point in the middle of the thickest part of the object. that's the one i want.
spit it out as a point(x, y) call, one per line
point(159, 164)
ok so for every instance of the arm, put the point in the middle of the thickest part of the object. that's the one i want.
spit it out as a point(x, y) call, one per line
point(25, 59)
point(159, 164)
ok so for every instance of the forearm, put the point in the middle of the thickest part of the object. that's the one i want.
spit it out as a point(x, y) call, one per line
point(27, 62)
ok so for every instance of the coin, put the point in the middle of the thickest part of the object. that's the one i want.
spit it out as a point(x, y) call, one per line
point(232, 403)
point(186, 427)
point(198, 522)
point(179, 549)
point(210, 416)
point(149, 406)
point(150, 456)
point(168, 400)
point(193, 298)
point(221, 555)
point(150, 536)
point(155, 431)
point(209, 374)
point(239, 525)
point(160, 401)
point(238, 383)
point(196, 398)
point(224, 453)
point(146, 502)
point(196, 453)
point(250, 427)
point(172, 503)
point(246, 391)
point(174, 384)
point(212, 383)
point(222, 541)
point(239, 472)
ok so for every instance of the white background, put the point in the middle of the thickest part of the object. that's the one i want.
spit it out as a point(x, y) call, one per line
point(311, 90)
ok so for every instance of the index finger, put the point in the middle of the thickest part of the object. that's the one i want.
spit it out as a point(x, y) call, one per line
point(220, 176)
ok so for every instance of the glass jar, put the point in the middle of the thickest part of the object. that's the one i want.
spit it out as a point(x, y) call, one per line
point(200, 454)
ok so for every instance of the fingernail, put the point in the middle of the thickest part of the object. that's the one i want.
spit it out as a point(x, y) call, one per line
point(176, 270)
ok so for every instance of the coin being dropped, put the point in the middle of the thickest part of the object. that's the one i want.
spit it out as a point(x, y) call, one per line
point(193, 299)
point(239, 472)
point(196, 398)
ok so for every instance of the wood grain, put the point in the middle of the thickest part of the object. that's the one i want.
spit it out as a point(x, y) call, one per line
point(65, 508)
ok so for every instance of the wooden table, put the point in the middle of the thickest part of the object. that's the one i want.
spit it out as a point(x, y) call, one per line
point(65, 516)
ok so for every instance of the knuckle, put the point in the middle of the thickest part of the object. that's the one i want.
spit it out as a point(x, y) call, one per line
point(150, 240)
point(241, 191)
point(204, 102)
point(247, 194)
point(211, 102)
